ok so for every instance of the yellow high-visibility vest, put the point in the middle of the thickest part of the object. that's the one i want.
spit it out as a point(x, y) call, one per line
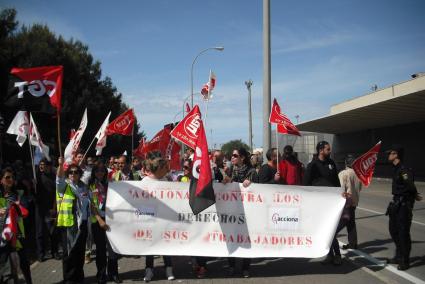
point(95, 202)
point(64, 206)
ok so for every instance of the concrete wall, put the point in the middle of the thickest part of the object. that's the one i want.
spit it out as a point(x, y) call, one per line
point(410, 136)
point(304, 146)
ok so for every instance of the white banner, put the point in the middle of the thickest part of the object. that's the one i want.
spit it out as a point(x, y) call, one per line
point(154, 218)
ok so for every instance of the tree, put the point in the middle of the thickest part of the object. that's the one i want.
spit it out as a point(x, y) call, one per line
point(83, 85)
point(228, 147)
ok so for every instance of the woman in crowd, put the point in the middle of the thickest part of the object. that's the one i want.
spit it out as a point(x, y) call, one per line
point(106, 266)
point(291, 171)
point(244, 173)
point(74, 212)
point(156, 168)
point(187, 172)
point(12, 227)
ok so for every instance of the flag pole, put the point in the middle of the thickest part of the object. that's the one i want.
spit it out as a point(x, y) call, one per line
point(277, 147)
point(32, 160)
point(33, 166)
point(295, 141)
point(59, 133)
point(206, 113)
point(88, 149)
point(132, 142)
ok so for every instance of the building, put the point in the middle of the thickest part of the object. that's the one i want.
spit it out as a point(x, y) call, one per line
point(395, 114)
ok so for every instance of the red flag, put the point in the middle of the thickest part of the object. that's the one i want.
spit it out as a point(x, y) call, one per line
point(173, 154)
point(163, 143)
point(139, 150)
point(159, 142)
point(284, 124)
point(288, 128)
point(187, 108)
point(39, 85)
point(187, 129)
point(364, 165)
point(201, 189)
point(123, 124)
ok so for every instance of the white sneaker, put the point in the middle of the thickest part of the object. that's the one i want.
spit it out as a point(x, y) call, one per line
point(148, 274)
point(169, 273)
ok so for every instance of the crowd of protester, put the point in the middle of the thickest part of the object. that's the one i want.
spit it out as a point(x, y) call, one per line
point(61, 214)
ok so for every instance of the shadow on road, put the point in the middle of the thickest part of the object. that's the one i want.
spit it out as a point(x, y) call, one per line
point(379, 215)
point(260, 268)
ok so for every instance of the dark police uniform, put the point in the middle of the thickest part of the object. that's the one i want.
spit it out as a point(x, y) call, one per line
point(400, 213)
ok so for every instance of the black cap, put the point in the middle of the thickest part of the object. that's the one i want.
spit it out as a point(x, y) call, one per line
point(397, 148)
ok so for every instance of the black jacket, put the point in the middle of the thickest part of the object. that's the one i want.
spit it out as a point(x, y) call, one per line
point(403, 182)
point(321, 173)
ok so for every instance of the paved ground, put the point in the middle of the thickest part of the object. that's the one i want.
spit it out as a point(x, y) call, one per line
point(360, 266)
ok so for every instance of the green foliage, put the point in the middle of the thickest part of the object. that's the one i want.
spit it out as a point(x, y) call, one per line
point(228, 147)
point(83, 85)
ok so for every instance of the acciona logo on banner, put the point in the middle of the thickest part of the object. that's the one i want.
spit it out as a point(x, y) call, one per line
point(145, 214)
point(188, 129)
point(284, 219)
point(364, 165)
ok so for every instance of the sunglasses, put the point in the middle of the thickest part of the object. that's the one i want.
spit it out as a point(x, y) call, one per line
point(235, 155)
point(186, 167)
point(73, 172)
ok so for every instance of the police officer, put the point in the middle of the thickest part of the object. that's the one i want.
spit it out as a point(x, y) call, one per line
point(400, 208)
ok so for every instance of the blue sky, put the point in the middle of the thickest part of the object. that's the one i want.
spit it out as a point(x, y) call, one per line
point(323, 52)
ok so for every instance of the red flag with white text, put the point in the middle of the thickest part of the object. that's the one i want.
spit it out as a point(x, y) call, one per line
point(37, 89)
point(364, 165)
point(123, 124)
point(201, 189)
point(284, 124)
point(187, 129)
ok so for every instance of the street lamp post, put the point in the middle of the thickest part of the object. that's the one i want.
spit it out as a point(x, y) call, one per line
point(219, 48)
point(248, 86)
point(266, 78)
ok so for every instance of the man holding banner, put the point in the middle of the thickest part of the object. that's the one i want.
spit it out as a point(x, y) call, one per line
point(322, 171)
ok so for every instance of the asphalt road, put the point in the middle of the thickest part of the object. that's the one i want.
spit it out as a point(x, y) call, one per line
point(365, 265)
